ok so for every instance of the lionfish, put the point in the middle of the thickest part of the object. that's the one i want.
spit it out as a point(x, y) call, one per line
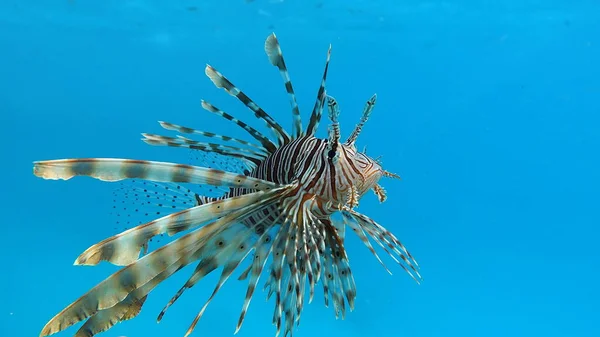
point(281, 209)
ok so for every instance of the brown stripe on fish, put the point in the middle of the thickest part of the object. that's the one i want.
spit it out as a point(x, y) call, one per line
point(182, 173)
point(124, 248)
point(84, 167)
point(134, 169)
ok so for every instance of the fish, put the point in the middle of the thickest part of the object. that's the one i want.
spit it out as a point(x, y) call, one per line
point(289, 203)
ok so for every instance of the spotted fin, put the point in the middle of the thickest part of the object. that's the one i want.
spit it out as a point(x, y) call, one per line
point(315, 257)
point(208, 264)
point(124, 248)
point(136, 202)
point(236, 252)
point(262, 249)
point(133, 282)
point(164, 261)
point(333, 278)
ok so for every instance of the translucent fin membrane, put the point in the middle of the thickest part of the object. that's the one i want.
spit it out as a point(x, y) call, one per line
point(135, 202)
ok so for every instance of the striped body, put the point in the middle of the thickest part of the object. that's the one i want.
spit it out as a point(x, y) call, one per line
point(281, 210)
point(304, 159)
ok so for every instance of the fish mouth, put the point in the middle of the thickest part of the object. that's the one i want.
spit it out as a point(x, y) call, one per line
point(370, 181)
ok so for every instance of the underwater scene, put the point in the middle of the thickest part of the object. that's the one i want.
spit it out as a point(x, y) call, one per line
point(401, 168)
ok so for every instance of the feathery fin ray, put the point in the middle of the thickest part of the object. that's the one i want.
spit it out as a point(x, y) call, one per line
point(273, 51)
point(315, 116)
point(221, 81)
point(369, 106)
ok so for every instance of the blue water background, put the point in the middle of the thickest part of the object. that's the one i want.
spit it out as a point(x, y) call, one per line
point(489, 110)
